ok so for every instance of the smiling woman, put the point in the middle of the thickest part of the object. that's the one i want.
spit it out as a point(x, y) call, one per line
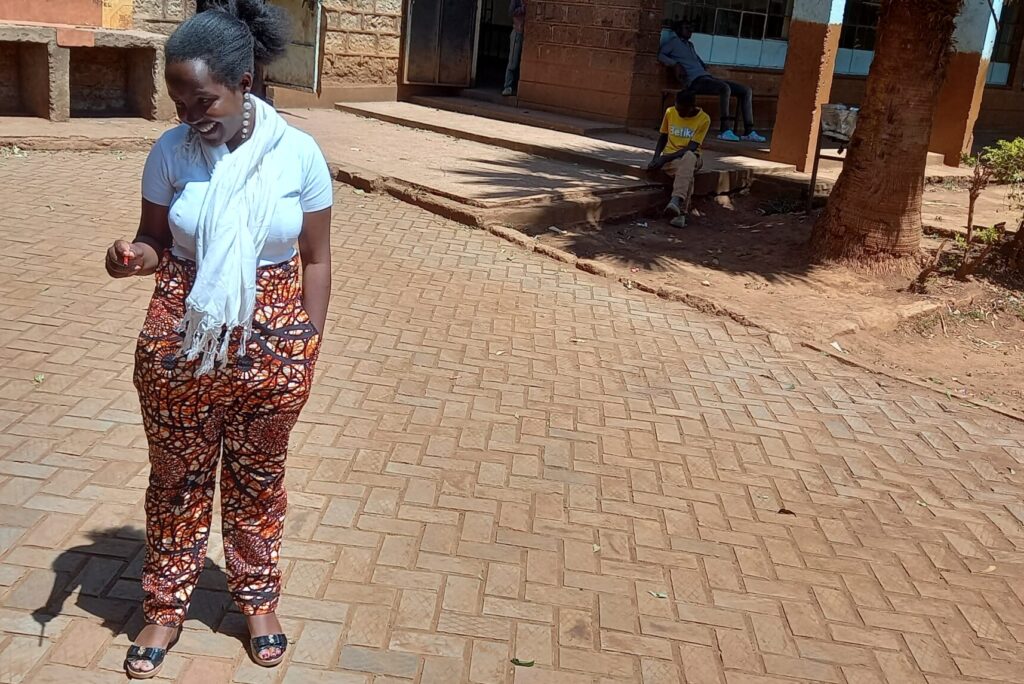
point(225, 360)
point(212, 59)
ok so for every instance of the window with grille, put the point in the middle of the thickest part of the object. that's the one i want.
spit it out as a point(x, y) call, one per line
point(857, 38)
point(1007, 45)
point(737, 32)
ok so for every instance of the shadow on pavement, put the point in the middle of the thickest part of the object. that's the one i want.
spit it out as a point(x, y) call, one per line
point(103, 577)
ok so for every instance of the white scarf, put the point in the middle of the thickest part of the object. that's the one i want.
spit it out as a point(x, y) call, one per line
point(233, 223)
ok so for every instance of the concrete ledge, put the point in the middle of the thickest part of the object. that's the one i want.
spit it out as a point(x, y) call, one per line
point(330, 95)
point(28, 33)
point(536, 118)
point(720, 175)
point(568, 210)
point(75, 37)
point(559, 153)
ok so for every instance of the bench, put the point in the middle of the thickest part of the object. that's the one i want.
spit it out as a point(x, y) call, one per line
point(764, 107)
point(56, 71)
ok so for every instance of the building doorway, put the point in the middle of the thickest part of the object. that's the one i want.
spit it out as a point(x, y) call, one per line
point(492, 56)
point(457, 43)
point(441, 38)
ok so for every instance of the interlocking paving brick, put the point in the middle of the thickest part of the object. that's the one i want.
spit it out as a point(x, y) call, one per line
point(601, 496)
point(378, 662)
point(489, 662)
point(318, 643)
point(206, 670)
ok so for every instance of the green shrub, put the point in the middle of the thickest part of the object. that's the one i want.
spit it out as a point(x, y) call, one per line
point(1006, 159)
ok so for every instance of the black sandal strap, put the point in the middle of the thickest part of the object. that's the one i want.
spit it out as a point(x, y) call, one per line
point(154, 655)
point(269, 641)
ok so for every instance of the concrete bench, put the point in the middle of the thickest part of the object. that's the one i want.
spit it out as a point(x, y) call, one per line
point(764, 107)
point(57, 71)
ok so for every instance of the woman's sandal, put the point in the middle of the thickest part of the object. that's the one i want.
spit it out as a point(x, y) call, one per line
point(259, 643)
point(151, 654)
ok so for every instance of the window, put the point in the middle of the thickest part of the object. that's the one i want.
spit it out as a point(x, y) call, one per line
point(859, 24)
point(749, 19)
point(857, 38)
point(1007, 46)
point(737, 32)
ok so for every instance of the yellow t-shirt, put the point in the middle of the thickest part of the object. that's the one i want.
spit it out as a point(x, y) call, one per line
point(681, 130)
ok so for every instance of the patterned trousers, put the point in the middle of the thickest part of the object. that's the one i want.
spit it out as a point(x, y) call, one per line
point(240, 415)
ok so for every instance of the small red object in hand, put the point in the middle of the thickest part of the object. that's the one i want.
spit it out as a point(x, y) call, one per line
point(125, 259)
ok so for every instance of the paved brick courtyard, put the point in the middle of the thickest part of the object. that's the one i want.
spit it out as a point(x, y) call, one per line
point(504, 457)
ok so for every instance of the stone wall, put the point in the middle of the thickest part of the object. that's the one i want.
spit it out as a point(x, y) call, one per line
point(363, 39)
point(99, 82)
point(161, 16)
point(10, 80)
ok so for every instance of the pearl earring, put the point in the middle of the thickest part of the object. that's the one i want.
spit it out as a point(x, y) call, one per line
point(246, 115)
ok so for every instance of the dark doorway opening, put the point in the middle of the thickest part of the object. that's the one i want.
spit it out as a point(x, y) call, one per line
point(492, 55)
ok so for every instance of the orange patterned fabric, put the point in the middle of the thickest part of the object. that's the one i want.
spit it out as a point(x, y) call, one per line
point(240, 415)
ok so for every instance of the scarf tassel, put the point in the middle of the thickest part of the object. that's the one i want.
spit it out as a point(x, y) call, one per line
point(207, 340)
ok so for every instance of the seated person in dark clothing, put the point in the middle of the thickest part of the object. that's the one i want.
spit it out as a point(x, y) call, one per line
point(678, 52)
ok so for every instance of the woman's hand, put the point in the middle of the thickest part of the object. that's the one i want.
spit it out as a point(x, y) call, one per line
point(126, 259)
point(122, 260)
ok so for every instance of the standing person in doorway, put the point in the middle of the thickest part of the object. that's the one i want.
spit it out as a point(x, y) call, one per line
point(225, 359)
point(517, 9)
point(678, 151)
point(678, 51)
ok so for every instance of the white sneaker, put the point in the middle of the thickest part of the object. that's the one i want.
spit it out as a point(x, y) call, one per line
point(728, 136)
point(752, 136)
point(678, 222)
point(674, 208)
point(507, 92)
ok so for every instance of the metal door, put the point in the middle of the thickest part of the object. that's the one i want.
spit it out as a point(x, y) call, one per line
point(440, 42)
point(303, 63)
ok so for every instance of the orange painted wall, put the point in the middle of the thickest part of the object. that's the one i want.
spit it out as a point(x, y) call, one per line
point(959, 103)
point(78, 12)
point(807, 84)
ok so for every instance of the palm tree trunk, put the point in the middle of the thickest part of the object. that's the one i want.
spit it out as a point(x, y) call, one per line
point(874, 212)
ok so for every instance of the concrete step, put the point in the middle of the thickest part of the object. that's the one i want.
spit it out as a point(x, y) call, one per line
point(722, 173)
point(530, 117)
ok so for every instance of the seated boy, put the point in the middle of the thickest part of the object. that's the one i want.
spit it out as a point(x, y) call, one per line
point(678, 151)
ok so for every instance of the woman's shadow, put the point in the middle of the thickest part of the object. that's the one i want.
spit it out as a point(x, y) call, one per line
point(104, 576)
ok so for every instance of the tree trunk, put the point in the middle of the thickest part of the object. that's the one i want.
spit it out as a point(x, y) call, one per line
point(874, 212)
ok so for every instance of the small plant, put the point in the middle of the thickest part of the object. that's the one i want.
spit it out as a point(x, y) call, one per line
point(990, 238)
point(983, 173)
point(1006, 159)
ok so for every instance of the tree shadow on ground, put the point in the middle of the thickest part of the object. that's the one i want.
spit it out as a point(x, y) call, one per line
point(511, 179)
point(104, 578)
point(748, 238)
point(762, 234)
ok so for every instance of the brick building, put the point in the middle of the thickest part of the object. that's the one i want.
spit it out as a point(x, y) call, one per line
point(598, 58)
point(592, 58)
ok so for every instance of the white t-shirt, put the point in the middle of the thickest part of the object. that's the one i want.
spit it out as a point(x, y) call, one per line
point(172, 181)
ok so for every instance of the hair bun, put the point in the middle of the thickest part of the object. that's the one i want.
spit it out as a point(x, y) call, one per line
point(269, 24)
